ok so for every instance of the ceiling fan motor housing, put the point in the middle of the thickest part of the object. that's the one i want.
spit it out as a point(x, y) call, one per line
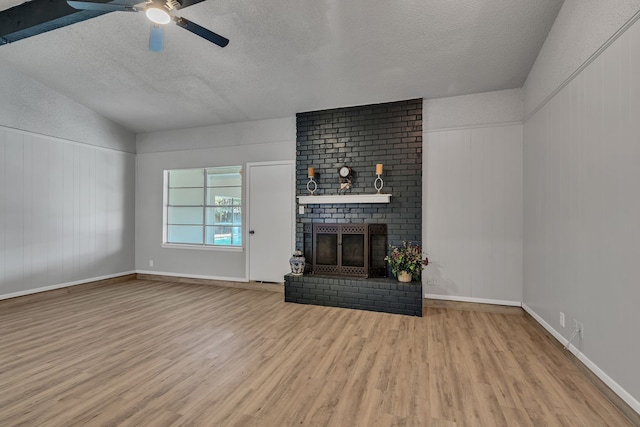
point(173, 4)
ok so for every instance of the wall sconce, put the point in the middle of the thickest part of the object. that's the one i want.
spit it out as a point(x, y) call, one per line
point(378, 183)
point(311, 185)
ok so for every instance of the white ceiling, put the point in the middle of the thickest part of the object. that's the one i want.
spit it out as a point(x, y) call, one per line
point(286, 56)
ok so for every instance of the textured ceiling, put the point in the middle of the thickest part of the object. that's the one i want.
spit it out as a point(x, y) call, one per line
point(285, 57)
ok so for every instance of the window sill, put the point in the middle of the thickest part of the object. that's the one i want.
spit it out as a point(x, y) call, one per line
point(203, 248)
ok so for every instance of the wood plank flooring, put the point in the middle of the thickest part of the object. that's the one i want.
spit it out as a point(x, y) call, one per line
point(146, 353)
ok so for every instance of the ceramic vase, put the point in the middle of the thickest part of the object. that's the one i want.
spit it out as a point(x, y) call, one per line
point(297, 262)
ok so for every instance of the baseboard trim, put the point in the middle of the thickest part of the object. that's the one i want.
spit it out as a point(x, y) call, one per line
point(471, 306)
point(84, 284)
point(174, 278)
point(192, 276)
point(475, 300)
point(624, 401)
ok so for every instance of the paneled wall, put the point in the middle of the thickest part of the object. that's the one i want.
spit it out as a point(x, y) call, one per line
point(473, 213)
point(582, 213)
point(66, 212)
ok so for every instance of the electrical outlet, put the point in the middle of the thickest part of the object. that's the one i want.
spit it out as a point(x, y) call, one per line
point(150, 263)
point(562, 319)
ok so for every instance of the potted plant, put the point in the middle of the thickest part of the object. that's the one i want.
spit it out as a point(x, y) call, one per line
point(406, 262)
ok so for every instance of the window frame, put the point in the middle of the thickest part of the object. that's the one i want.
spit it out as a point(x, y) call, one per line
point(204, 206)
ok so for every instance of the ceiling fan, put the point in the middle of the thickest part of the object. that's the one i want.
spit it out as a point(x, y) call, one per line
point(160, 13)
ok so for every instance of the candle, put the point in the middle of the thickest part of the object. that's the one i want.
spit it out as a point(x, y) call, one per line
point(379, 169)
point(311, 173)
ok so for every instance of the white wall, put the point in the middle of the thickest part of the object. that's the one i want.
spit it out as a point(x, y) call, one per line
point(66, 212)
point(477, 110)
point(26, 104)
point(222, 145)
point(582, 210)
point(66, 203)
point(472, 193)
point(581, 29)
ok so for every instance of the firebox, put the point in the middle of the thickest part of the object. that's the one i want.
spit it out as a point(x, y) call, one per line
point(347, 249)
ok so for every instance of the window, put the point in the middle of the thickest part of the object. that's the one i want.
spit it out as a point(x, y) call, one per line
point(204, 206)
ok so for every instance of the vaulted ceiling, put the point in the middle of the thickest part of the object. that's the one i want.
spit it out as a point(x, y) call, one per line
point(285, 56)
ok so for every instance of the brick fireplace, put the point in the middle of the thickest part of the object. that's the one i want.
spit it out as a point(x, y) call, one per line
point(361, 137)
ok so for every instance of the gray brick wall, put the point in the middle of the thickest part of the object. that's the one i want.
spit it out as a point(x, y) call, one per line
point(389, 296)
point(360, 137)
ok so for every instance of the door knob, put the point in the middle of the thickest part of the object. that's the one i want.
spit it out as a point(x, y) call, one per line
point(252, 232)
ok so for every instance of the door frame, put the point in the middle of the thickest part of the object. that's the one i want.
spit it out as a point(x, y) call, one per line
point(247, 239)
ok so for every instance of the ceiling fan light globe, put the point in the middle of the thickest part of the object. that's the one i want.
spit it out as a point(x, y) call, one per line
point(158, 15)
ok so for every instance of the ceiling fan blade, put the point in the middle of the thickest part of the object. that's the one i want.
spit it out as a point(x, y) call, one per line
point(104, 7)
point(202, 32)
point(156, 38)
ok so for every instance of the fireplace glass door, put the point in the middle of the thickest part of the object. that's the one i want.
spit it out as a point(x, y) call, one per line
point(327, 249)
point(353, 250)
point(349, 249)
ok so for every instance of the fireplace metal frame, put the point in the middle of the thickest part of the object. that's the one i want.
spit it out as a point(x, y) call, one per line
point(370, 267)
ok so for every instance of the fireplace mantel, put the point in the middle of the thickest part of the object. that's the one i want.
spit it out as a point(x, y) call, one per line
point(344, 199)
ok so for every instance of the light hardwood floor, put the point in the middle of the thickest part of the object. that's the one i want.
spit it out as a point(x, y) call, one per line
point(145, 353)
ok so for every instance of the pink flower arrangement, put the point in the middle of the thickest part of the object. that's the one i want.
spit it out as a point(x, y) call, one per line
point(407, 258)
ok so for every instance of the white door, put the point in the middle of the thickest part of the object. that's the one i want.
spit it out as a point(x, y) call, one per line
point(271, 219)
